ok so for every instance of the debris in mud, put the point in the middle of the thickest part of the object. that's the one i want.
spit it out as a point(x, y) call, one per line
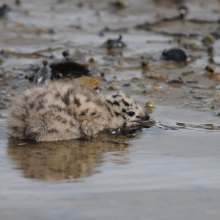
point(180, 81)
point(210, 51)
point(117, 67)
point(69, 67)
point(156, 88)
point(2, 105)
point(190, 44)
point(149, 25)
point(210, 68)
point(27, 55)
point(93, 59)
point(111, 87)
point(176, 55)
point(208, 40)
point(203, 21)
point(107, 29)
point(215, 34)
point(18, 2)
point(43, 75)
point(178, 34)
point(119, 4)
point(188, 73)
point(88, 82)
point(157, 77)
point(4, 9)
point(114, 43)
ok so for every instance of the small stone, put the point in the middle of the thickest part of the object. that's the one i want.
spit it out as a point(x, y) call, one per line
point(210, 68)
point(116, 79)
point(176, 55)
point(208, 39)
point(22, 144)
point(149, 110)
point(127, 84)
point(111, 87)
point(147, 91)
point(156, 88)
point(149, 104)
point(2, 105)
point(19, 24)
point(93, 59)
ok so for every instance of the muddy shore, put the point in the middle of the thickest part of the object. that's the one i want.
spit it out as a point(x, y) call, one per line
point(170, 171)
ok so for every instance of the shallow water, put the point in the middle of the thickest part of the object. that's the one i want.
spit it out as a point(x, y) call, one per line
point(167, 173)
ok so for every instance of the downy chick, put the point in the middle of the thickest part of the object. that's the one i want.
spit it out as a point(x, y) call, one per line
point(62, 111)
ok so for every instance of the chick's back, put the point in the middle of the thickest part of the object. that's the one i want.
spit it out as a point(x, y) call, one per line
point(58, 111)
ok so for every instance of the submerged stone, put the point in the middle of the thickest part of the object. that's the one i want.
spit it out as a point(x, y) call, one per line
point(176, 55)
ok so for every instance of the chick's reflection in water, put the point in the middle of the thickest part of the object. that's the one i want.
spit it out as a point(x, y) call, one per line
point(64, 159)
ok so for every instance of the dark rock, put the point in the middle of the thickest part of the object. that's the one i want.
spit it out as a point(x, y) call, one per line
point(115, 43)
point(4, 9)
point(176, 55)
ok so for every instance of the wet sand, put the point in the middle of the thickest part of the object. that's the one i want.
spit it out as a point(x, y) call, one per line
point(171, 171)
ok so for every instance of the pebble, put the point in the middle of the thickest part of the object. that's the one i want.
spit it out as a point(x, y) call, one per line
point(111, 87)
point(147, 91)
point(176, 55)
point(116, 79)
point(156, 88)
point(127, 84)
point(149, 104)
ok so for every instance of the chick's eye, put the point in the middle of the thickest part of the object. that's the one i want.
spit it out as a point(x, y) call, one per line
point(131, 113)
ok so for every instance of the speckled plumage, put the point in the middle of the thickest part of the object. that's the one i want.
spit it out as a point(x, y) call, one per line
point(62, 111)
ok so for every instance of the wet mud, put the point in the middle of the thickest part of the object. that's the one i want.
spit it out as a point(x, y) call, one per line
point(160, 52)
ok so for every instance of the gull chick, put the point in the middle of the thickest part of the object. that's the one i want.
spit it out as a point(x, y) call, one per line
point(62, 111)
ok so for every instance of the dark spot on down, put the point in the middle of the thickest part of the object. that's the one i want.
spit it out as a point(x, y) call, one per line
point(53, 130)
point(23, 117)
point(40, 96)
point(31, 105)
point(66, 98)
point(93, 113)
point(72, 124)
point(57, 107)
point(15, 128)
point(125, 103)
point(123, 110)
point(109, 110)
point(116, 103)
point(109, 102)
point(77, 102)
point(117, 114)
point(83, 113)
point(62, 120)
point(57, 95)
point(40, 106)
